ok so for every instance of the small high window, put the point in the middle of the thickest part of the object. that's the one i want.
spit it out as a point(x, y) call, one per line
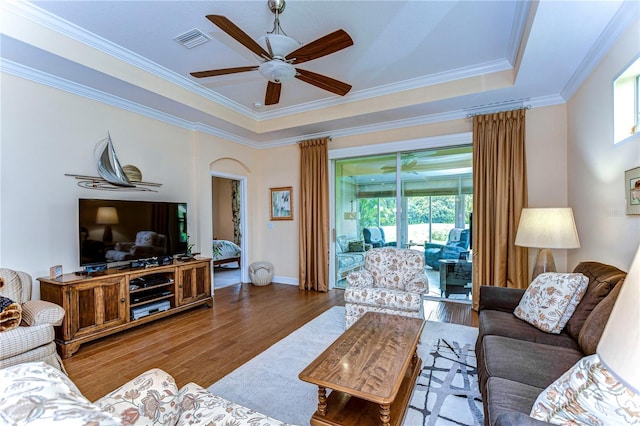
point(626, 103)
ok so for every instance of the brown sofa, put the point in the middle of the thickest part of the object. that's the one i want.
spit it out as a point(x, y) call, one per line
point(516, 361)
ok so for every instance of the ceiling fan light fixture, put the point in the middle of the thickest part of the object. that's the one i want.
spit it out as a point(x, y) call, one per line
point(277, 71)
point(279, 45)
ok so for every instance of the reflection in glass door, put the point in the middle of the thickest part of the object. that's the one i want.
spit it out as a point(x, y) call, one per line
point(426, 207)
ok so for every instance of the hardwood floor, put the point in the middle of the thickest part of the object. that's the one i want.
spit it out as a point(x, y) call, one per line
point(205, 344)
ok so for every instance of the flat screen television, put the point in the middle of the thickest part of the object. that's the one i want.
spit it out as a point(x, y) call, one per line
point(118, 230)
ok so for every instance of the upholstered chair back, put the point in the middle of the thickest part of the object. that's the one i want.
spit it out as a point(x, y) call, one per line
point(16, 285)
point(374, 235)
point(459, 237)
point(395, 268)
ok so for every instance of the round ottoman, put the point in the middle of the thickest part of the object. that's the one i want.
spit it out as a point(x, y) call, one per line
point(261, 273)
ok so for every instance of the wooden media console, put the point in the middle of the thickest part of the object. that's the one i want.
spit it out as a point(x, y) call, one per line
point(114, 300)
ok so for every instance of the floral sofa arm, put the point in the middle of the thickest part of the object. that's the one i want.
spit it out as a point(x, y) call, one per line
point(386, 298)
point(153, 398)
point(199, 406)
point(150, 398)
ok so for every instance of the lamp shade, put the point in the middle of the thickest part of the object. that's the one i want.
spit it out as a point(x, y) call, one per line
point(107, 216)
point(619, 345)
point(351, 215)
point(552, 228)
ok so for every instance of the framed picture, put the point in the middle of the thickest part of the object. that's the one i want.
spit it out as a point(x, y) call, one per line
point(632, 187)
point(281, 203)
point(55, 271)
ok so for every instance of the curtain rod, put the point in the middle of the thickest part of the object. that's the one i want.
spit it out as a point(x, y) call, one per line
point(497, 111)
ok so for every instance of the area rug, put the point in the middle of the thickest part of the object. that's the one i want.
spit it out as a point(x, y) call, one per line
point(446, 392)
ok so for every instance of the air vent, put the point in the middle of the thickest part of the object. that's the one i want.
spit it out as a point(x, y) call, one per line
point(192, 38)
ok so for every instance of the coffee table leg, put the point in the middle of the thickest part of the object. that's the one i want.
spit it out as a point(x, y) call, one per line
point(322, 400)
point(385, 414)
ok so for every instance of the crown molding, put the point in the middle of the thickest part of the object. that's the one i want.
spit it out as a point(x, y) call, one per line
point(37, 76)
point(388, 89)
point(521, 16)
point(50, 80)
point(627, 13)
point(68, 29)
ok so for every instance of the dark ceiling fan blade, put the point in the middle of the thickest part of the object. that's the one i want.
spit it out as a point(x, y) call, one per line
point(222, 71)
point(272, 96)
point(236, 33)
point(323, 46)
point(323, 82)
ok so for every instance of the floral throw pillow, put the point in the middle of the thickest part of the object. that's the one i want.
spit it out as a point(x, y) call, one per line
point(588, 394)
point(551, 299)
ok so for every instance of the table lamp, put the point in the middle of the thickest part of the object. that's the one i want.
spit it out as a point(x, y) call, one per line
point(619, 345)
point(351, 215)
point(107, 216)
point(546, 229)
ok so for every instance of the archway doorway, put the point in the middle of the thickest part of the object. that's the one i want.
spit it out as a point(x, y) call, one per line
point(228, 216)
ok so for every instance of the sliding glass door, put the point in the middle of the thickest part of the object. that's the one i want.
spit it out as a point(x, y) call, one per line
point(409, 199)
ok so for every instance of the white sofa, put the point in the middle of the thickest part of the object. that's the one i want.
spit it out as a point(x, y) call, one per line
point(38, 394)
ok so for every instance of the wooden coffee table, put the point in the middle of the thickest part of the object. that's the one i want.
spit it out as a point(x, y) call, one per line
point(371, 368)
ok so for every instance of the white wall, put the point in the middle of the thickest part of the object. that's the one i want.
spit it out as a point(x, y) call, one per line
point(47, 133)
point(596, 166)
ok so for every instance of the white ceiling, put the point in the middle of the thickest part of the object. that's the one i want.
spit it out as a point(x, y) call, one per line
point(411, 62)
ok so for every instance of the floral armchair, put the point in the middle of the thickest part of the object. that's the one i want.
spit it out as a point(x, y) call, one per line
point(392, 281)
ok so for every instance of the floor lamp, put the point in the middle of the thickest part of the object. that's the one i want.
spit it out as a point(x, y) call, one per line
point(546, 229)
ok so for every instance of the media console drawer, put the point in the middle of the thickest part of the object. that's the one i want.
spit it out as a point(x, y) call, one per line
point(113, 300)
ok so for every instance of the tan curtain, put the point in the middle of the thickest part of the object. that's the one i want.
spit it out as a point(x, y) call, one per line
point(499, 194)
point(314, 214)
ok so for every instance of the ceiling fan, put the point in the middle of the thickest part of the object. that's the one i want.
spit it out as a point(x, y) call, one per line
point(281, 54)
point(408, 164)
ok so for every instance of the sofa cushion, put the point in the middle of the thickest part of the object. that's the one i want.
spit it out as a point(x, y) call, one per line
point(602, 279)
point(508, 325)
point(38, 394)
point(593, 327)
point(525, 362)
point(45, 353)
point(384, 298)
point(587, 394)
point(342, 243)
point(551, 299)
point(505, 396)
point(23, 339)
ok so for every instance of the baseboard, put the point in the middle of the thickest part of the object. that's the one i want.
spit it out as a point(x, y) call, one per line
point(285, 280)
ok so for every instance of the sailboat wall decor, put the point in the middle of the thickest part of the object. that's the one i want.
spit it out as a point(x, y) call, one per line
point(113, 176)
point(109, 166)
